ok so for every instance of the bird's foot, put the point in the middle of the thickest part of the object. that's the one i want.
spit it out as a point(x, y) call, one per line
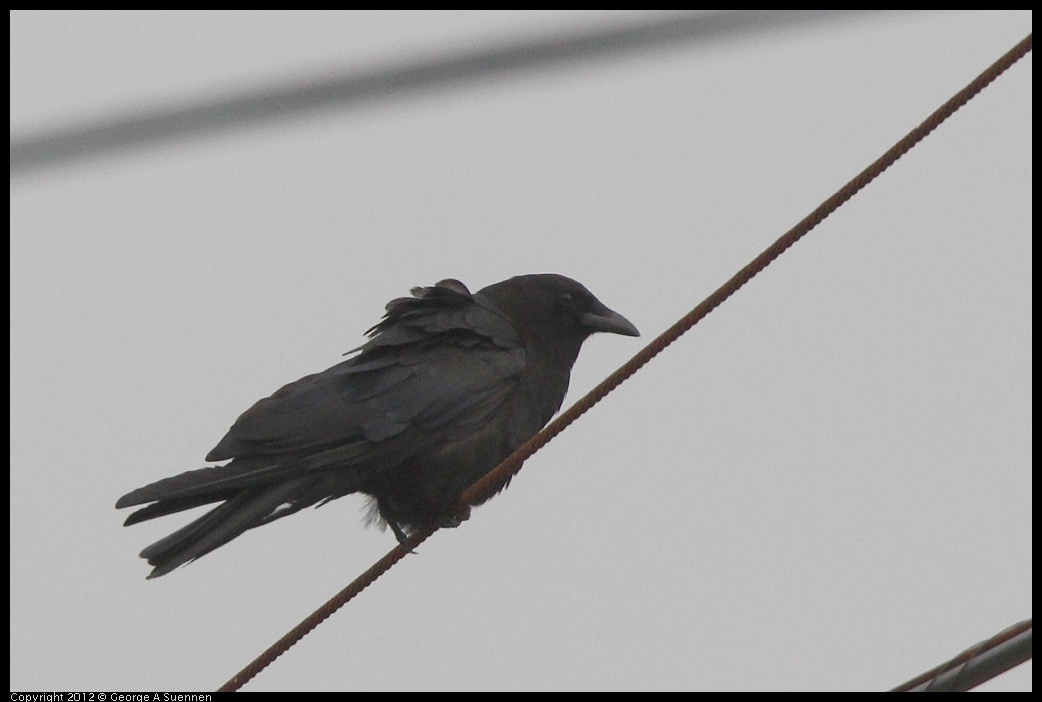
point(451, 521)
point(399, 534)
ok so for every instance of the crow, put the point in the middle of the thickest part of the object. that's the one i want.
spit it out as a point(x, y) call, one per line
point(448, 385)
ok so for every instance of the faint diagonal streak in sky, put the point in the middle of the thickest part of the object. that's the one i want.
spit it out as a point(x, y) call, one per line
point(360, 86)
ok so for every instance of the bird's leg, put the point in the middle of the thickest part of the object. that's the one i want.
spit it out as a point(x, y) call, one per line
point(398, 533)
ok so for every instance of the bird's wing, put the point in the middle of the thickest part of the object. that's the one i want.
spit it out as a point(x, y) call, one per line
point(375, 401)
point(434, 357)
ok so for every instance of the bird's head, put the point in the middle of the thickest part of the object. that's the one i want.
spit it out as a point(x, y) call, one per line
point(555, 308)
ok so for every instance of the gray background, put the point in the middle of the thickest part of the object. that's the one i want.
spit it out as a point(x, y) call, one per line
point(826, 485)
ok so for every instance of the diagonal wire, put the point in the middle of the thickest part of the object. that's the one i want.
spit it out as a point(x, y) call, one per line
point(977, 664)
point(501, 474)
point(273, 103)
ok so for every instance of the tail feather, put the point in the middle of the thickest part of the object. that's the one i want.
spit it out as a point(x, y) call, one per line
point(252, 490)
point(163, 507)
point(216, 483)
point(204, 481)
point(243, 511)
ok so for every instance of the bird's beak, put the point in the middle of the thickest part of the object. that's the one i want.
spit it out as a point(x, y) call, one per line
point(605, 320)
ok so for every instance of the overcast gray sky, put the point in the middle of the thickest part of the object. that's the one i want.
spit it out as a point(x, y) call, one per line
point(826, 485)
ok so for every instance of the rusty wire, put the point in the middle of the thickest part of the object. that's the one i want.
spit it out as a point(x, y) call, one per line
point(1003, 651)
point(492, 481)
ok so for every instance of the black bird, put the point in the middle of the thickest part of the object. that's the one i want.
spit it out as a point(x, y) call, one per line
point(449, 384)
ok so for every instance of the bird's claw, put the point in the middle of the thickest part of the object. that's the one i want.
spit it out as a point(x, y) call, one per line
point(399, 534)
point(451, 521)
